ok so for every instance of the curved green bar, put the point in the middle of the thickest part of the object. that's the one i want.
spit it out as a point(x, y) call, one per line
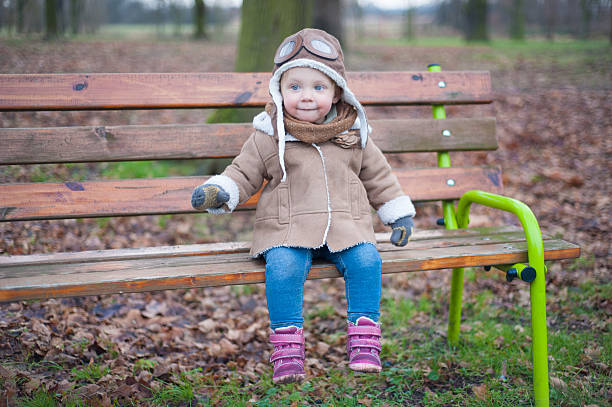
point(535, 249)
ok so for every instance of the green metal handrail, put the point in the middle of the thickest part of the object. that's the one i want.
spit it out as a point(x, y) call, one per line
point(535, 253)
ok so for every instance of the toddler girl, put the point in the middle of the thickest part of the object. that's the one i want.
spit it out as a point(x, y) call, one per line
point(311, 145)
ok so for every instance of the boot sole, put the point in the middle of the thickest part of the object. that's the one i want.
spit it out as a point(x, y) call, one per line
point(290, 378)
point(365, 367)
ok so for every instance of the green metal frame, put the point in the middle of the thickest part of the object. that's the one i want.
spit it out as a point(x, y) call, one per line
point(535, 248)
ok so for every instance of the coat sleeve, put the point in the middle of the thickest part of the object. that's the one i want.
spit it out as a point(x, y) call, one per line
point(243, 177)
point(384, 191)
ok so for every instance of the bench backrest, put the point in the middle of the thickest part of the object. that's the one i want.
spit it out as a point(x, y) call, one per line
point(72, 199)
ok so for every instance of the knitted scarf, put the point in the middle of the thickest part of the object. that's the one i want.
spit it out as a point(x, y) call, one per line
point(338, 130)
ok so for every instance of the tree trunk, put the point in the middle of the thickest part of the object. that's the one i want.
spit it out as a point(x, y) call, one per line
point(20, 16)
point(327, 16)
point(476, 15)
point(409, 24)
point(551, 18)
point(199, 19)
point(76, 8)
point(517, 20)
point(587, 15)
point(264, 24)
point(61, 23)
point(51, 29)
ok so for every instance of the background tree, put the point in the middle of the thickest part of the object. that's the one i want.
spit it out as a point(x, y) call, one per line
point(199, 19)
point(160, 17)
point(550, 17)
point(51, 27)
point(476, 12)
point(586, 8)
point(176, 16)
point(20, 10)
point(76, 8)
point(517, 20)
point(326, 16)
point(61, 16)
point(409, 23)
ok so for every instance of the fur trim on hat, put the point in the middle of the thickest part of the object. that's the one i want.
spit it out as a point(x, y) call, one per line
point(277, 98)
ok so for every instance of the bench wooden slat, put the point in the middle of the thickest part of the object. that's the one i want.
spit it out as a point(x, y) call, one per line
point(173, 194)
point(123, 143)
point(209, 271)
point(98, 91)
point(495, 233)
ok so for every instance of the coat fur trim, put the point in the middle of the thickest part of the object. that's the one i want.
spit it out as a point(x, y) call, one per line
point(395, 209)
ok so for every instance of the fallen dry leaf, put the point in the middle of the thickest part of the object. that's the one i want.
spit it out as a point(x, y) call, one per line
point(481, 391)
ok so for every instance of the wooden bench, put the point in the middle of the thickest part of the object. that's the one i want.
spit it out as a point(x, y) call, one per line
point(40, 276)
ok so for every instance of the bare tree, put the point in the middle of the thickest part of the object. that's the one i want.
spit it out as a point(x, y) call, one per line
point(199, 19)
point(51, 27)
point(517, 20)
point(476, 12)
point(409, 24)
point(586, 18)
point(550, 18)
point(20, 10)
point(76, 10)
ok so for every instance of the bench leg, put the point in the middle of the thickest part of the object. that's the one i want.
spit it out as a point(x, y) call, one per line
point(454, 310)
point(538, 333)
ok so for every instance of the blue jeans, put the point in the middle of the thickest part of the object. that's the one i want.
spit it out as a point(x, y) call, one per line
point(288, 267)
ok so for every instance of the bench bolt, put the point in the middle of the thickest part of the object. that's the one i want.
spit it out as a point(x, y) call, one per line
point(446, 133)
point(442, 84)
point(450, 182)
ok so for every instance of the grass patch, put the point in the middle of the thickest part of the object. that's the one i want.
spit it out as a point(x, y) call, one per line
point(183, 390)
point(40, 399)
point(90, 373)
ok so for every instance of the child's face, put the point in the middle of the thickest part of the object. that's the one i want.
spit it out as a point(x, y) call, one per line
point(308, 94)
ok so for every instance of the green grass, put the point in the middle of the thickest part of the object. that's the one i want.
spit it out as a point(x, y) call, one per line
point(90, 373)
point(39, 399)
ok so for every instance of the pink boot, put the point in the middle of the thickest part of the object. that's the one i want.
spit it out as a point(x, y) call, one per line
point(363, 346)
point(288, 355)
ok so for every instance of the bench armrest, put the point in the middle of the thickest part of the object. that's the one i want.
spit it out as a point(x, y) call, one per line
point(528, 220)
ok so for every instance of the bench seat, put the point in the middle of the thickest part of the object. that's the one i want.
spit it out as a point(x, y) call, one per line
point(217, 264)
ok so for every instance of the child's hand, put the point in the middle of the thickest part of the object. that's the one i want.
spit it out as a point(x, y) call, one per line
point(208, 196)
point(402, 230)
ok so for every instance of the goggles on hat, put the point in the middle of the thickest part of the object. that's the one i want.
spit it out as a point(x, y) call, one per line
point(316, 45)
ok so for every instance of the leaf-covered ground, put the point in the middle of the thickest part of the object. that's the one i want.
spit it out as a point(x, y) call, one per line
point(554, 122)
